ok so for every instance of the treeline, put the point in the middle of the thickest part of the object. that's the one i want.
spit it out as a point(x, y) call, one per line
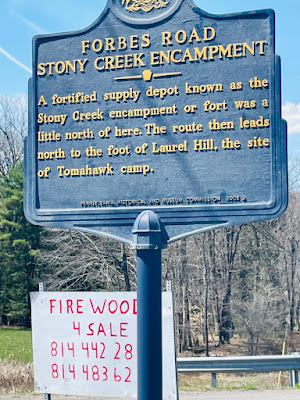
point(242, 280)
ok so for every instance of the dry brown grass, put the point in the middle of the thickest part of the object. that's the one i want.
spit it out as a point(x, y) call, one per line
point(16, 377)
point(242, 381)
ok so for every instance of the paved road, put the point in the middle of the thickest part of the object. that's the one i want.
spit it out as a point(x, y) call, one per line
point(288, 394)
point(293, 394)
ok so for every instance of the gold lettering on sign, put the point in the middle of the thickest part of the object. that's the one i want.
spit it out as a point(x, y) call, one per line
point(144, 5)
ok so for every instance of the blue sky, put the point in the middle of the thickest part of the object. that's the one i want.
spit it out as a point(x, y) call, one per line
point(22, 19)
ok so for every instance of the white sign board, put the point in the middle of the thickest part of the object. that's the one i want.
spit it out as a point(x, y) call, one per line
point(85, 343)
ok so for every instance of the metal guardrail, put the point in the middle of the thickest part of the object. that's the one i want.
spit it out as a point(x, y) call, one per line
point(252, 364)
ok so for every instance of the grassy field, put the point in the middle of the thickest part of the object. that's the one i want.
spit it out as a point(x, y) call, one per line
point(16, 345)
point(16, 370)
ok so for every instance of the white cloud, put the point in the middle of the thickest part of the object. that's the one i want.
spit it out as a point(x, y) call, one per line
point(14, 60)
point(291, 112)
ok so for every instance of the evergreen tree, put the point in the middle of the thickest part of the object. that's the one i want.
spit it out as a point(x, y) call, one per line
point(19, 247)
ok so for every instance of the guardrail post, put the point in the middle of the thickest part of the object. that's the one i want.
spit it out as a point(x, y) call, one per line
point(294, 378)
point(294, 374)
point(213, 376)
point(213, 379)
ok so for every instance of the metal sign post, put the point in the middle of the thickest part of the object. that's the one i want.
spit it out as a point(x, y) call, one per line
point(148, 241)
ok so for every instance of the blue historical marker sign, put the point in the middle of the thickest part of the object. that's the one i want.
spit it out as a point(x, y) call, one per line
point(157, 106)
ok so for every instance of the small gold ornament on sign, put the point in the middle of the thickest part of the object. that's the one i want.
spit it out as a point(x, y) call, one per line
point(144, 5)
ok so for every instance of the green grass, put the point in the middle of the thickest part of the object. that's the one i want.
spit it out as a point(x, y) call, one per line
point(16, 345)
point(241, 386)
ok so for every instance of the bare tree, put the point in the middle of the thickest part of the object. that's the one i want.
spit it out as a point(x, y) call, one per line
point(204, 264)
point(77, 261)
point(176, 269)
point(258, 317)
point(283, 236)
point(13, 129)
point(294, 175)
